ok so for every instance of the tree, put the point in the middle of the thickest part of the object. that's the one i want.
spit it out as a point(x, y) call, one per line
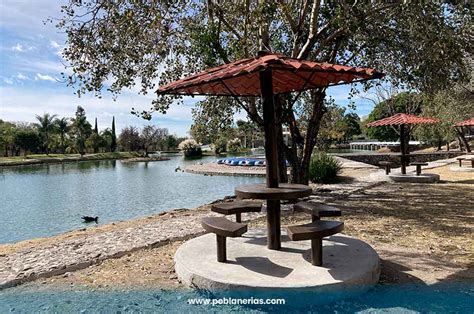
point(27, 139)
point(45, 128)
point(113, 144)
point(108, 139)
point(352, 126)
point(81, 129)
point(7, 137)
point(62, 126)
point(151, 137)
point(129, 139)
point(95, 141)
point(449, 106)
point(159, 41)
point(171, 142)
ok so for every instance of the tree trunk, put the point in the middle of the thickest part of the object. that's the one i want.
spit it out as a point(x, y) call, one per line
point(440, 143)
point(299, 154)
point(465, 143)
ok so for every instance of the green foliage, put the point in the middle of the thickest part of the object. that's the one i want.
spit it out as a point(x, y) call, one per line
point(450, 107)
point(409, 103)
point(113, 143)
point(27, 139)
point(45, 127)
point(234, 145)
point(324, 168)
point(81, 129)
point(95, 141)
point(337, 126)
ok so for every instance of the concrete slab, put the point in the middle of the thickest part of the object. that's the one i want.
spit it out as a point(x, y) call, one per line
point(348, 264)
point(461, 169)
point(413, 178)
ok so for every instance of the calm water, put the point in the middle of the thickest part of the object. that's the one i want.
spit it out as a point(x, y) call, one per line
point(43, 200)
point(441, 298)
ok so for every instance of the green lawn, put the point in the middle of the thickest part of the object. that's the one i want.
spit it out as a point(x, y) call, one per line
point(39, 158)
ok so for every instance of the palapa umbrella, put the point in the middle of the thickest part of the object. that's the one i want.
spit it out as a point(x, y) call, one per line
point(264, 76)
point(469, 122)
point(402, 120)
point(459, 130)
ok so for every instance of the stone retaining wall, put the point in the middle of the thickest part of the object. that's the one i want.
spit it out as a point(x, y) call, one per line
point(374, 159)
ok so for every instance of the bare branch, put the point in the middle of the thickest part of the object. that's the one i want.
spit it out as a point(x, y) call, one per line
point(312, 30)
point(287, 14)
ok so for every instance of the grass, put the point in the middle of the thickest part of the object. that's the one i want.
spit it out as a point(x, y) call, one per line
point(51, 158)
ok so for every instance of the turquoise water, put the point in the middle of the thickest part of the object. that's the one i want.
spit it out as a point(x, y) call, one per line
point(441, 298)
point(44, 200)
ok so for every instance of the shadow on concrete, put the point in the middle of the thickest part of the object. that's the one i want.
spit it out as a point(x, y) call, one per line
point(263, 265)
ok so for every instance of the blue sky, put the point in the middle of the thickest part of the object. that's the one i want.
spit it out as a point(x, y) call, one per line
point(30, 67)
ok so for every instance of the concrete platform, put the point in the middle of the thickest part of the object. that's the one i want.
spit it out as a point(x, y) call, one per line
point(461, 169)
point(413, 178)
point(348, 264)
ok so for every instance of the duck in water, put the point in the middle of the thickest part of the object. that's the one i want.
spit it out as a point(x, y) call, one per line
point(90, 219)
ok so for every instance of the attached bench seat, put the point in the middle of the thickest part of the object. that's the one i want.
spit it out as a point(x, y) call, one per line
point(468, 158)
point(387, 165)
point(237, 208)
point(418, 166)
point(223, 228)
point(315, 231)
point(317, 210)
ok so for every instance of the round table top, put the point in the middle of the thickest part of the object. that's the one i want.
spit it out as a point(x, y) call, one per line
point(285, 191)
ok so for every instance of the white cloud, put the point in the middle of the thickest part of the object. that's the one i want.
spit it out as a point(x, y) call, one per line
point(57, 47)
point(18, 47)
point(21, 48)
point(54, 44)
point(45, 77)
point(7, 80)
point(20, 76)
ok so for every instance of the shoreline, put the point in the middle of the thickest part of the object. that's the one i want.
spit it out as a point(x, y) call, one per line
point(67, 159)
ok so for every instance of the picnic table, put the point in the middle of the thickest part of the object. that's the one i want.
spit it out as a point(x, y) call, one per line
point(273, 196)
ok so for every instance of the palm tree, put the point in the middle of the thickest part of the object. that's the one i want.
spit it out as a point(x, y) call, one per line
point(62, 126)
point(45, 128)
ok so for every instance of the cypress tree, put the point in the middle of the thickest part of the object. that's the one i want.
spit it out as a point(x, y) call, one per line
point(113, 145)
point(96, 130)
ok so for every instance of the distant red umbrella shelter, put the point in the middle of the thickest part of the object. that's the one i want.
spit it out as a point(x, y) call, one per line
point(264, 76)
point(469, 122)
point(406, 122)
point(459, 130)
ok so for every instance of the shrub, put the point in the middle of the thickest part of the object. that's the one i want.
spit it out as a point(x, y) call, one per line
point(191, 148)
point(234, 145)
point(324, 168)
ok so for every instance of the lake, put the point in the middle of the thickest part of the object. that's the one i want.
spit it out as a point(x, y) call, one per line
point(44, 200)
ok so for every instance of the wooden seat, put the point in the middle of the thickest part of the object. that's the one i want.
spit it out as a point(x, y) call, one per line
point(387, 165)
point(460, 159)
point(237, 208)
point(418, 166)
point(471, 158)
point(317, 210)
point(315, 232)
point(223, 228)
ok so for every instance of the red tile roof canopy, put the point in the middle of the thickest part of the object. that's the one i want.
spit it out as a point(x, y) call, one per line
point(241, 78)
point(402, 118)
point(466, 123)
